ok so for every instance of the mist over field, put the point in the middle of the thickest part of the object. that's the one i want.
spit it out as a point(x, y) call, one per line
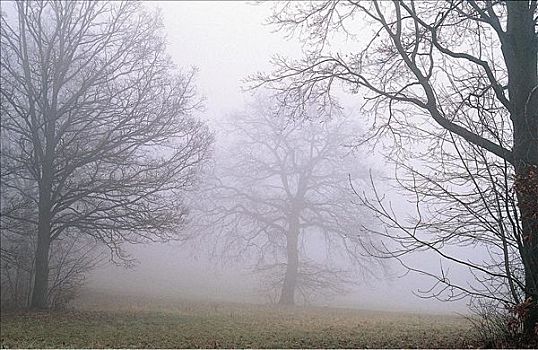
point(231, 44)
point(173, 271)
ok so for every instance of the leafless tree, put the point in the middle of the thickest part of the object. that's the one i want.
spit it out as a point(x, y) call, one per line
point(464, 198)
point(465, 67)
point(280, 192)
point(98, 137)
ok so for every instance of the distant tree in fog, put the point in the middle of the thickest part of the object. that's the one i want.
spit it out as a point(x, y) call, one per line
point(460, 78)
point(97, 133)
point(281, 195)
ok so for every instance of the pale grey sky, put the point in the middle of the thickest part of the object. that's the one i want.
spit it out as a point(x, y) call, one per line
point(226, 41)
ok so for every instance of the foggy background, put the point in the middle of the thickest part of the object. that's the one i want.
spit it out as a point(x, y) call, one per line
point(227, 41)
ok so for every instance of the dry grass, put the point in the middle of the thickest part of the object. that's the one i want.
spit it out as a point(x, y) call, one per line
point(106, 321)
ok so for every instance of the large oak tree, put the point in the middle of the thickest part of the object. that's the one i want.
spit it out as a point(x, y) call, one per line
point(98, 137)
point(281, 196)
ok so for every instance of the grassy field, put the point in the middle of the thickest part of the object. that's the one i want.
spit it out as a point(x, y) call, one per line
point(129, 322)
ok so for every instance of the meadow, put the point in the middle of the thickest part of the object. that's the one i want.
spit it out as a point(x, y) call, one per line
point(108, 321)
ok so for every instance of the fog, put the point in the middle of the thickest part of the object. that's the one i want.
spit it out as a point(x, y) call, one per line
point(227, 42)
point(174, 272)
point(268, 174)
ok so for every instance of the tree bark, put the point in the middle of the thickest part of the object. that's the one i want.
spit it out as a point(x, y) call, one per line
point(520, 52)
point(287, 296)
point(527, 193)
point(41, 278)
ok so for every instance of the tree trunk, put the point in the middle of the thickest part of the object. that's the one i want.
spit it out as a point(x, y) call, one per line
point(287, 296)
point(527, 193)
point(41, 278)
point(520, 51)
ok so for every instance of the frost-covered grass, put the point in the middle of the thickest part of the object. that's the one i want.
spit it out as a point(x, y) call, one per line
point(146, 323)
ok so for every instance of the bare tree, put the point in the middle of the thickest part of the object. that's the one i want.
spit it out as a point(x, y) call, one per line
point(281, 191)
point(445, 63)
point(97, 133)
point(464, 198)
